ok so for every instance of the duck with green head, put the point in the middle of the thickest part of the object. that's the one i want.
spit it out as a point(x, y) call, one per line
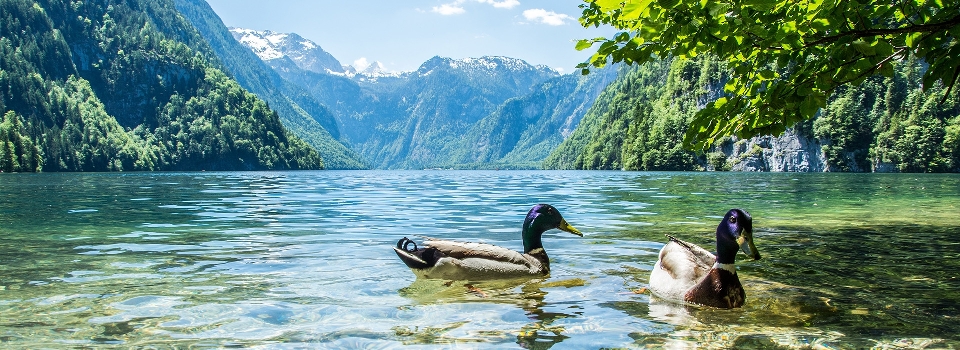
point(687, 273)
point(452, 260)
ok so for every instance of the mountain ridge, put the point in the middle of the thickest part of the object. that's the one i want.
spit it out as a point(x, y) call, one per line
point(407, 120)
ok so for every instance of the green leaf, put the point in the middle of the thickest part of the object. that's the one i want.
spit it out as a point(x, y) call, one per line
point(864, 47)
point(607, 48)
point(668, 3)
point(820, 24)
point(809, 107)
point(717, 9)
point(608, 5)
point(887, 70)
point(720, 102)
point(767, 74)
point(761, 5)
point(729, 88)
point(583, 44)
point(883, 48)
point(633, 10)
point(911, 38)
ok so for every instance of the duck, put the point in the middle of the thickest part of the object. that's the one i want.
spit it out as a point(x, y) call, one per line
point(453, 260)
point(689, 274)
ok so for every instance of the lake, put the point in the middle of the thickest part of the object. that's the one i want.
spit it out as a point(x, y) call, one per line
point(305, 259)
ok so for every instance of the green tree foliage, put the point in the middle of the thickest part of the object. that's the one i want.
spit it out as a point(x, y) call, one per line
point(105, 90)
point(638, 122)
point(786, 57)
point(18, 151)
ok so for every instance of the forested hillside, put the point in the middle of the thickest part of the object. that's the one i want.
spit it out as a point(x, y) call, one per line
point(523, 130)
point(884, 124)
point(298, 110)
point(100, 86)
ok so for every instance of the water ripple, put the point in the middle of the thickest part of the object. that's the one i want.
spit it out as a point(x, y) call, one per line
point(293, 259)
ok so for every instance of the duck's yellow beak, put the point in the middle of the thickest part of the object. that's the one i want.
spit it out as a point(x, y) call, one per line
point(746, 244)
point(564, 226)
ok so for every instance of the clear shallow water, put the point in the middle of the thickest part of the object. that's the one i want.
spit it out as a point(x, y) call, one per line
point(304, 259)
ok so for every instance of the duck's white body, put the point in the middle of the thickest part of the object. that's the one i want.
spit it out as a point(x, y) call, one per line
point(680, 267)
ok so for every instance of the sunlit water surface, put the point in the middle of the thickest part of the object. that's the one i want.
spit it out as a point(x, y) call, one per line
point(304, 259)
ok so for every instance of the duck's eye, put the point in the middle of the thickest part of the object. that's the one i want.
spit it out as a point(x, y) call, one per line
point(733, 219)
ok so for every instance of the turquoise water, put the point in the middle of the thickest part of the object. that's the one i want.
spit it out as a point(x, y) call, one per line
point(304, 259)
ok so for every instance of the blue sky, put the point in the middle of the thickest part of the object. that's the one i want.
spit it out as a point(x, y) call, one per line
point(404, 34)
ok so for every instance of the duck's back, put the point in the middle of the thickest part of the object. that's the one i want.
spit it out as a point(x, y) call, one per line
point(469, 260)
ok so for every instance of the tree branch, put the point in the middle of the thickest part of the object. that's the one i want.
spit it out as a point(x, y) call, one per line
point(875, 67)
point(856, 34)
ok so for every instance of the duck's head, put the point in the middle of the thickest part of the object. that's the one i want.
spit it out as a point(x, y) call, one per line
point(543, 217)
point(734, 233)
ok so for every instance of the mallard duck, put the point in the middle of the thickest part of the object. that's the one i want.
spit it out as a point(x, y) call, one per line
point(690, 274)
point(451, 260)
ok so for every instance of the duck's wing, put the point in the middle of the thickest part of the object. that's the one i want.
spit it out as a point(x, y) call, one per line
point(466, 250)
point(681, 266)
point(685, 260)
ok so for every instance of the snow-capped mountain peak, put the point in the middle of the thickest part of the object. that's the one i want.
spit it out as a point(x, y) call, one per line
point(262, 43)
point(485, 65)
point(371, 72)
point(269, 45)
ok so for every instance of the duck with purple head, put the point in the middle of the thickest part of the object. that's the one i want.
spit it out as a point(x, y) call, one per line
point(442, 259)
point(689, 274)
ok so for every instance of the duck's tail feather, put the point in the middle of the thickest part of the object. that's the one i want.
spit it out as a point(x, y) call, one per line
point(416, 258)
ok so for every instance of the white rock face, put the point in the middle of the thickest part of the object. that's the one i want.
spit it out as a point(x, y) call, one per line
point(788, 152)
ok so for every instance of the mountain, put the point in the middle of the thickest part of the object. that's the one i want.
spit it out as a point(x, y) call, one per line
point(298, 110)
point(403, 120)
point(523, 130)
point(109, 86)
point(438, 103)
point(304, 53)
point(885, 124)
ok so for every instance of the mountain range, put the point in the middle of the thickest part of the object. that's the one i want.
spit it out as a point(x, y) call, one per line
point(165, 85)
point(486, 112)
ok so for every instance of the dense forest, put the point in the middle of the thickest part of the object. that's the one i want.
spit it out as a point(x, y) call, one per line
point(122, 85)
point(884, 124)
point(299, 112)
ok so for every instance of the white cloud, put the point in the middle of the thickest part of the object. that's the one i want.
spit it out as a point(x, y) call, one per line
point(503, 4)
point(456, 8)
point(361, 64)
point(546, 17)
point(449, 9)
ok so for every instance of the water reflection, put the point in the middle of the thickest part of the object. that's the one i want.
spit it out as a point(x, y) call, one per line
point(529, 295)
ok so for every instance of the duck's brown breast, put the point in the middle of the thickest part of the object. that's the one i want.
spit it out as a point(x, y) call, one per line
point(719, 288)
